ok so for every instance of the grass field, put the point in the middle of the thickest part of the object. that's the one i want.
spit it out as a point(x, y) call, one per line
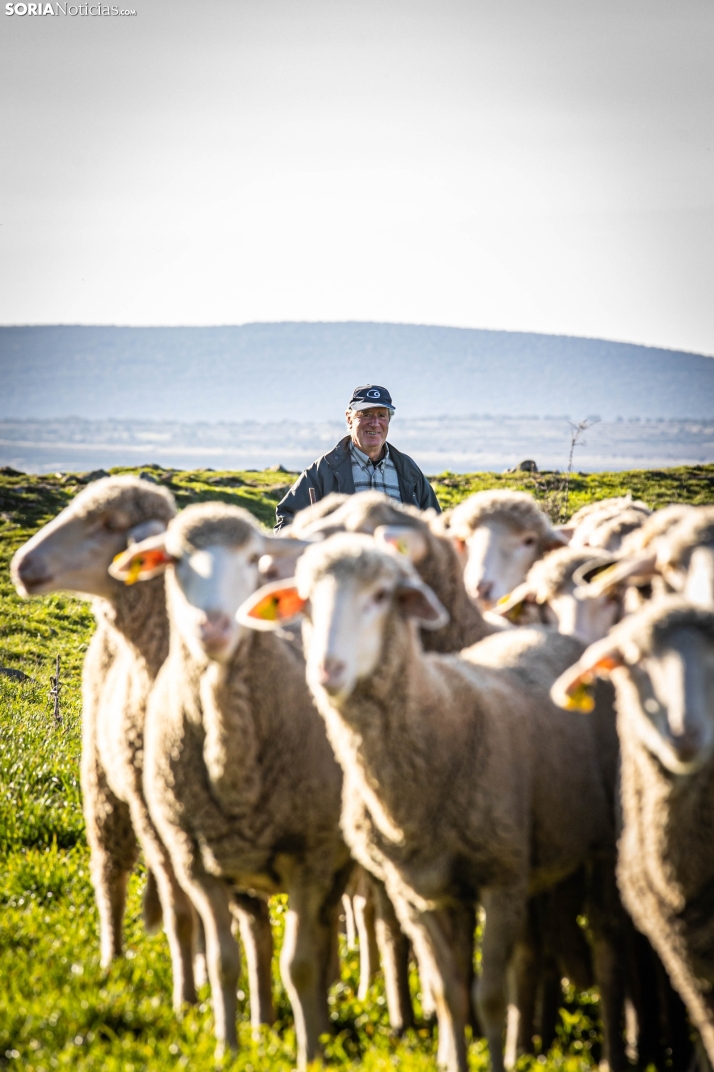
point(57, 1009)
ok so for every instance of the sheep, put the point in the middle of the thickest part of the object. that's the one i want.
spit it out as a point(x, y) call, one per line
point(460, 778)
point(239, 776)
point(661, 662)
point(72, 553)
point(502, 533)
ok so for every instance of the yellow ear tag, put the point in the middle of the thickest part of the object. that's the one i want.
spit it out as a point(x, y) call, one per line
point(134, 571)
point(581, 698)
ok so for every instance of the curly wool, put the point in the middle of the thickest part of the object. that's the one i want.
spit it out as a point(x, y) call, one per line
point(209, 524)
point(352, 555)
point(696, 529)
point(553, 574)
point(657, 524)
point(516, 509)
point(137, 499)
point(610, 507)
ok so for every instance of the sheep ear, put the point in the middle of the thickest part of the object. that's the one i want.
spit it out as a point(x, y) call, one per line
point(594, 567)
point(513, 605)
point(142, 561)
point(699, 587)
point(574, 689)
point(279, 558)
point(271, 607)
point(404, 539)
point(417, 601)
point(558, 538)
point(146, 529)
point(565, 532)
point(643, 567)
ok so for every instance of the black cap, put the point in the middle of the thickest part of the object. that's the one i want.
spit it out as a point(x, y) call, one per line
point(369, 396)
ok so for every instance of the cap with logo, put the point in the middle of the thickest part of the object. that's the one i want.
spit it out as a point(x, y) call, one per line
point(370, 396)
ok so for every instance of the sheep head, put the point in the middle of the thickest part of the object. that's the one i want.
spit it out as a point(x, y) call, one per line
point(212, 553)
point(502, 534)
point(73, 552)
point(662, 664)
point(347, 588)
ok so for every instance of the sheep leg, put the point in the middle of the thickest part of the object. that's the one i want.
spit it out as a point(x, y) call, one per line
point(110, 881)
point(394, 952)
point(523, 975)
point(304, 964)
point(211, 897)
point(445, 941)
point(113, 849)
point(257, 937)
point(364, 916)
point(607, 923)
point(504, 909)
point(350, 929)
point(177, 910)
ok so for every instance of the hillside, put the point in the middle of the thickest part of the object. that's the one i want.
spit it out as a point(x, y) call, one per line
point(303, 371)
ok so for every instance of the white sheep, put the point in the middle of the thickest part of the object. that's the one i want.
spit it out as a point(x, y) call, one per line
point(462, 782)
point(239, 776)
point(661, 662)
point(502, 533)
point(72, 553)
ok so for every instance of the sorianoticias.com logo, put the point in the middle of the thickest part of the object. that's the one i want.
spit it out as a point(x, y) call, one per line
point(66, 9)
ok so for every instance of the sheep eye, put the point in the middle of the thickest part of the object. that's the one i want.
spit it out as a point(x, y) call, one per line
point(529, 541)
point(381, 596)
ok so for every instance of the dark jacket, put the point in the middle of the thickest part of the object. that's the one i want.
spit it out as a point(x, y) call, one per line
point(333, 472)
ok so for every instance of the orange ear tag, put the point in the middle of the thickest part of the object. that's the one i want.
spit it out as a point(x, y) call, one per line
point(277, 606)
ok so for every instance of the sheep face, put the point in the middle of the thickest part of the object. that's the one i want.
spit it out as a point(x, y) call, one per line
point(662, 664)
point(499, 556)
point(212, 554)
point(671, 701)
point(352, 589)
point(206, 587)
point(73, 552)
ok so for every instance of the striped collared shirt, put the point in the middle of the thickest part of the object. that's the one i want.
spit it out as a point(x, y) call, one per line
point(369, 477)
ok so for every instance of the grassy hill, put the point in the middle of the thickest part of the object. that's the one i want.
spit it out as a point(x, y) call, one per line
point(57, 1010)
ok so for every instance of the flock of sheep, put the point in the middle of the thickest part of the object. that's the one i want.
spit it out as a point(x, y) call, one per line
point(439, 739)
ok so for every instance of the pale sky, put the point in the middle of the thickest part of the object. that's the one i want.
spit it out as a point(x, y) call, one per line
point(530, 165)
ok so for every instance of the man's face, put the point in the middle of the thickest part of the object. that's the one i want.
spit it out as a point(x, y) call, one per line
point(369, 428)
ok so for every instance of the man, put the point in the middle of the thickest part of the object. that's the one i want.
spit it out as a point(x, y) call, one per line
point(362, 461)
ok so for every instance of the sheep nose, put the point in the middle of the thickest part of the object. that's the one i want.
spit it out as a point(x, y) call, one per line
point(484, 590)
point(31, 571)
point(687, 745)
point(331, 673)
point(215, 629)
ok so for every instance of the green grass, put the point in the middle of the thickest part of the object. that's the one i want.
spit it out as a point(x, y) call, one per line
point(57, 1009)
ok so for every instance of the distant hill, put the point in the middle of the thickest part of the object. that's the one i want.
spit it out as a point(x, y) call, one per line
point(268, 372)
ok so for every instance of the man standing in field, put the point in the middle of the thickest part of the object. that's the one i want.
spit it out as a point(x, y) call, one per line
point(362, 461)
